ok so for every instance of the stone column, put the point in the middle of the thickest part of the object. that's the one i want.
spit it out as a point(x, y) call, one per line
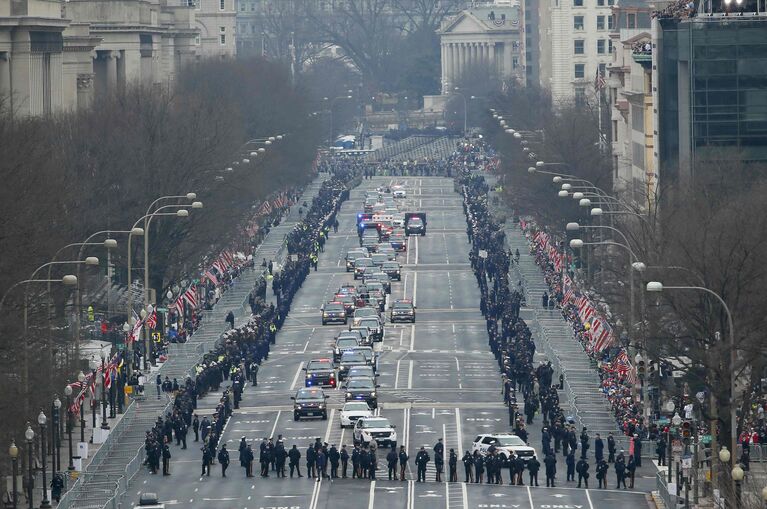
point(463, 50)
point(453, 64)
point(443, 64)
point(84, 90)
point(491, 58)
point(111, 68)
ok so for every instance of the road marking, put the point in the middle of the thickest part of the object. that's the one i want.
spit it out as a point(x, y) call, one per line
point(315, 494)
point(330, 424)
point(298, 372)
point(457, 366)
point(307, 344)
point(412, 338)
point(372, 494)
point(276, 421)
point(447, 486)
point(530, 497)
point(588, 497)
point(404, 286)
point(396, 377)
point(407, 252)
point(459, 432)
point(410, 376)
point(416, 250)
point(401, 336)
point(415, 287)
point(406, 430)
point(465, 496)
point(410, 493)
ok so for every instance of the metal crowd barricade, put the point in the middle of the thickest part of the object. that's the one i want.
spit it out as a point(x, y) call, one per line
point(669, 499)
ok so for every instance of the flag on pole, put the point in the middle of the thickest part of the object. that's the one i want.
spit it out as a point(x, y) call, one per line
point(599, 80)
point(151, 320)
point(212, 277)
point(190, 296)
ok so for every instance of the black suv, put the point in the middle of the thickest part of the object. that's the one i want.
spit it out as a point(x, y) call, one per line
point(310, 402)
point(402, 311)
point(333, 312)
point(374, 325)
point(392, 269)
point(362, 389)
point(350, 359)
point(320, 373)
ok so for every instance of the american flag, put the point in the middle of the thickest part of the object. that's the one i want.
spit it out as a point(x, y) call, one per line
point(568, 289)
point(212, 277)
point(266, 208)
point(228, 258)
point(151, 320)
point(599, 80)
point(605, 338)
point(190, 296)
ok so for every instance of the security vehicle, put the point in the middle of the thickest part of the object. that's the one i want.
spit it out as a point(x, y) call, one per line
point(379, 258)
point(399, 193)
point(361, 265)
point(352, 255)
point(505, 444)
point(415, 223)
point(350, 359)
point(365, 371)
point(377, 275)
point(343, 343)
point(353, 410)
point(393, 270)
point(398, 241)
point(365, 333)
point(366, 312)
point(375, 327)
point(362, 389)
point(310, 402)
point(369, 355)
point(375, 429)
point(320, 373)
point(389, 251)
point(402, 311)
point(347, 301)
point(333, 311)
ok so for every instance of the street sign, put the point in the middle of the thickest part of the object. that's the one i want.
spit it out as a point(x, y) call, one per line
point(482, 253)
point(162, 310)
point(676, 446)
point(705, 439)
point(294, 257)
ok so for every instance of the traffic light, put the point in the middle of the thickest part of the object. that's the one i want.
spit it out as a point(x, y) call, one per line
point(686, 429)
point(641, 369)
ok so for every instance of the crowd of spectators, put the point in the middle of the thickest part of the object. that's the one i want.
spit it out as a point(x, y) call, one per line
point(679, 9)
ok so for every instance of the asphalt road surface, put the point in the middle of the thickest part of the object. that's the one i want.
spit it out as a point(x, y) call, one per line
point(438, 379)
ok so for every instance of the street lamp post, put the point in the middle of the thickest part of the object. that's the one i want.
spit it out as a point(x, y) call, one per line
point(93, 364)
point(29, 434)
point(42, 420)
point(68, 394)
point(656, 286)
point(81, 379)
point(56, 460)
point(737, 476)
point(13, 452)
point(104, 423)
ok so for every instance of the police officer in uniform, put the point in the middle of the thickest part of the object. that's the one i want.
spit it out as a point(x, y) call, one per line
point(468, 466)
point(403, 458)
point(223, 459)
point(344, 460)
point(421, 460)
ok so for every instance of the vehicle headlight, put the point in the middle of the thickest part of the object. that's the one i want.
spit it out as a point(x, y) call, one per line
point(372, 394)
point(308, 376)
point(342, 367)
point(321, 406)
point(348, 394)
point(332, 375)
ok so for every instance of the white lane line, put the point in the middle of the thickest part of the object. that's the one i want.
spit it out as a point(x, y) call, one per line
point(372, 495)
point(410, 488)
point(434, 414)
point(307, 344)
point(444, 241)
point(412, 338)
point(401, 336)
point(530, 497)
point(404, 286)
point(396, 377)
point(588, 497)
point(459, 432)
point(276, 421)
point(416, 250)
point(415, 288)
point(330, 424)
point(315, 495)
point(457, 366)
point(447, 495)
point(410, 376)
point(298, 372)
point(465, 496)
point(407, 251)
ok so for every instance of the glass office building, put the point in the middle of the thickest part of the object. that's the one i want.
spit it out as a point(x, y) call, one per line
point(711, 103)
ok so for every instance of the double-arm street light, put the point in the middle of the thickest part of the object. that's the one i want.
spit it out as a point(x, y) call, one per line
point(657, 287)
point(42, 420)
point(29, 434)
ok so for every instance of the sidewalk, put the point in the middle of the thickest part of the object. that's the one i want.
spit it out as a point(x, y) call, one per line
point(106, 476)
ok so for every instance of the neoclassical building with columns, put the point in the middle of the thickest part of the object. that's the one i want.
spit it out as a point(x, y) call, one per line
point(488, 34)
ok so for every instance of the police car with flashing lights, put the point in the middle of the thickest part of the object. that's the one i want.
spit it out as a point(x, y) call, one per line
point(320, 373)
point(310, 402)
point(375, 429)
point(333, 311)
point(506, 445)
point(402, 311)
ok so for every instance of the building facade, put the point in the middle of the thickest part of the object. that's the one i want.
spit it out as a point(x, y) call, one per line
point(631, 112)
point(486, 35)
point(216, 22)
point(57, 55)
point(710, 72)
point(574, 44)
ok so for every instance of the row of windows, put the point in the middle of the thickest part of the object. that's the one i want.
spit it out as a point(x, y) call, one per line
point(579, 24)
point(579, 70)
point(600, 3)
point(603, 46)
